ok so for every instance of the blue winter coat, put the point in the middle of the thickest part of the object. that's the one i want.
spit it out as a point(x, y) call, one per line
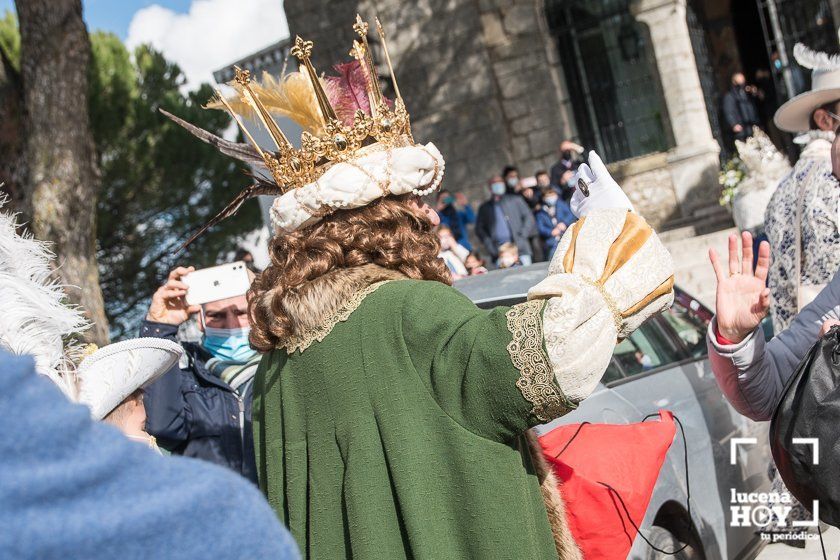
point(74, 488)
point(546, 224)
point(194, 413)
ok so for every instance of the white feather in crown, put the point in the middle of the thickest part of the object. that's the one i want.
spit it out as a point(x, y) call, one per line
point(815, 60)
point(35, 318)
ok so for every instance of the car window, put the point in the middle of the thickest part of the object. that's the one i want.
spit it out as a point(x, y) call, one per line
point(646, 349)
point(613, 372)
point(689, 326)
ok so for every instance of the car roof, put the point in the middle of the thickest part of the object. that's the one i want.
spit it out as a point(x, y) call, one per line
point(508, 283)
point(503, 284)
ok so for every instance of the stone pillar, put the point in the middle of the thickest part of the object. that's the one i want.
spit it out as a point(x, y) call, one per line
point(694, 161)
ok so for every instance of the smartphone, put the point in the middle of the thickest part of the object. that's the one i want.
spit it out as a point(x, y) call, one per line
point(217, 282)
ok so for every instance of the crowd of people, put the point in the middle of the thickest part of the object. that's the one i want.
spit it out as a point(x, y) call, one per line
point(380, 412)
point(519, 224)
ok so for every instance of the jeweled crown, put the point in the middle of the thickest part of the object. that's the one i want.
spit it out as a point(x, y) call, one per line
point(332, 134)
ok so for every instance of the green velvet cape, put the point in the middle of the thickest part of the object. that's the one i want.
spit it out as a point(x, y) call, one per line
point(400, 434)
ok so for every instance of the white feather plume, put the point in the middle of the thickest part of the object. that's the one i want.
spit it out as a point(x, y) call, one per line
point(815, 60)
point(35, 318)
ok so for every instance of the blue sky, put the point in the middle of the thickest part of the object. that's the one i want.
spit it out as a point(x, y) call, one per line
point(114, 15)
point(200, 35)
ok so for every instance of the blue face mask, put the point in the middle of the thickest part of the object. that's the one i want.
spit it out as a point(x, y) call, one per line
point(498, 189)
point(228, 344)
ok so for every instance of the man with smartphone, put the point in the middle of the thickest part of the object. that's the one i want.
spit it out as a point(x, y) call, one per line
point(202, 406)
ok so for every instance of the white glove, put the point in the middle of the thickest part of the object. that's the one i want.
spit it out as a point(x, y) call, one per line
point(604, 192)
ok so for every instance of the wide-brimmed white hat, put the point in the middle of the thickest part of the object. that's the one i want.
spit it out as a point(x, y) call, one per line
point(795, 114)
point(112, 373)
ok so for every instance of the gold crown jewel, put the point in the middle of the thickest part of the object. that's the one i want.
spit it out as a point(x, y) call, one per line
point(345, 119)
point(331, 133)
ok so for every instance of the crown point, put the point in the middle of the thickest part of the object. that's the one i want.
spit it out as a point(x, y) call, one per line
point(360, 26)
point(302, 49)
point(241, 76)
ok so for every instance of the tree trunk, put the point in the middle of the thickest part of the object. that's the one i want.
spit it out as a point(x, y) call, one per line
point(11, 133)
point(62, 177)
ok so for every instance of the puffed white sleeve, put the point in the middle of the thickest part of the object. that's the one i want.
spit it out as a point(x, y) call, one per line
point(609, 274)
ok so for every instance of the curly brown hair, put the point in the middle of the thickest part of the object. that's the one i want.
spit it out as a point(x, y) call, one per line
point(388, 232)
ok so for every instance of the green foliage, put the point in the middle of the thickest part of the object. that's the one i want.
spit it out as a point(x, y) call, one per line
point(158, 182)
point(10, 38)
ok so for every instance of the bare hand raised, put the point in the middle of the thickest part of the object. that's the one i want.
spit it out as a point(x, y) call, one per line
point(169, 304)
point(742, 297)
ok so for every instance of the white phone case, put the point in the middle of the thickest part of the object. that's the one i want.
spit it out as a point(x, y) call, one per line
point(217, 282)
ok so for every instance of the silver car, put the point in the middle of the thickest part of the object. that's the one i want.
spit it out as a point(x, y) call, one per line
point(664, 365)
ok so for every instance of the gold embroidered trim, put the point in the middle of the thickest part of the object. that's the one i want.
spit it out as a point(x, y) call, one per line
point(536, 381)
point(608, 299)
point(305, 339)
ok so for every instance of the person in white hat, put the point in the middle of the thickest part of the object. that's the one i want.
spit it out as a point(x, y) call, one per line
point(802, 221)
point(111, 381)
point(37, 321)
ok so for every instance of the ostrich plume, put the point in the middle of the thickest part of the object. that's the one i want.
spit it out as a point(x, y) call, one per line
point(36, 318)
point(814, 60)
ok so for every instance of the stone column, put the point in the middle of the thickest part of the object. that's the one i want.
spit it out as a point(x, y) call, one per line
point(694, 161)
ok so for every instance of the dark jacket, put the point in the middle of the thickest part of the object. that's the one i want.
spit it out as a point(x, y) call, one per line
point(546, 224)
point(194, 413)
point(457, 221)
point(74, 488)
point(739, 107)
point(519, 218)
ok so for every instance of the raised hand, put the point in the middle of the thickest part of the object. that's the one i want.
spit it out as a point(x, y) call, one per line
point(742, 297)
point(604, 192)
point(169, 304)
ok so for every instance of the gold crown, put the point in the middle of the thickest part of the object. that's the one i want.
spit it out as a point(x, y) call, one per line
point(331, 139)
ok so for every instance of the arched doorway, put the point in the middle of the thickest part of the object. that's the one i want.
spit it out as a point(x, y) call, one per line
point(612, 77)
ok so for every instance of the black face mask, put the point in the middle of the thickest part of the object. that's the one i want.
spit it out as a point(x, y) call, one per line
point(567, 155)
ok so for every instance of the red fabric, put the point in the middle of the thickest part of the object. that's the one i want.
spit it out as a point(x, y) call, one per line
point(628, 457)
point(721, 339)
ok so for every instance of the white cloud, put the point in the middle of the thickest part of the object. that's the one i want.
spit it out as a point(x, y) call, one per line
point(213, 34)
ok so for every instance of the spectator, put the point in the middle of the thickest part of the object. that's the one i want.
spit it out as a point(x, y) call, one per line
point(509, 256)
point(740, 109)
point(511, 176)
point(530, 192)
point(111, 381)
point(553, 218)
point(475, 264)
point(456, 213)
point(247, 257)
point(752, 374)
point(802, 221)
point(562, 172)
point(74, 488)
point(505, 218)
point(202, 407)
point(452, 253)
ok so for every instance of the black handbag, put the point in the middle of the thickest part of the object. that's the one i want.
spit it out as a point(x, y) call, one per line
point(810, 409)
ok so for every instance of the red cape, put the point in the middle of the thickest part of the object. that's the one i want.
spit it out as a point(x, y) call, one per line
point(627, 457)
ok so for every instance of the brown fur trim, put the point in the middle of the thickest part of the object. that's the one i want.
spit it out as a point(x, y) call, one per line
point(567, 549)
point(313, 303)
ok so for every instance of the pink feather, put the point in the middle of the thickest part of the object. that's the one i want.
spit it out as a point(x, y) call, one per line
point(347, 92)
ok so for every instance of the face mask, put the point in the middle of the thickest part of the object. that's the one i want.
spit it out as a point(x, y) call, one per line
point(228, 344)
point(567, 155)
point(449, 200)
point(550, 201)
point(778, 64)
point(498, 188)
point(507, 262)
point(512, 182)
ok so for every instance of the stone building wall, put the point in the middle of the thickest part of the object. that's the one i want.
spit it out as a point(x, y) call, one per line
point(479, 77)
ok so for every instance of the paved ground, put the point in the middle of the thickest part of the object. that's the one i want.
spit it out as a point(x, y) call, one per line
point(811, 552)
